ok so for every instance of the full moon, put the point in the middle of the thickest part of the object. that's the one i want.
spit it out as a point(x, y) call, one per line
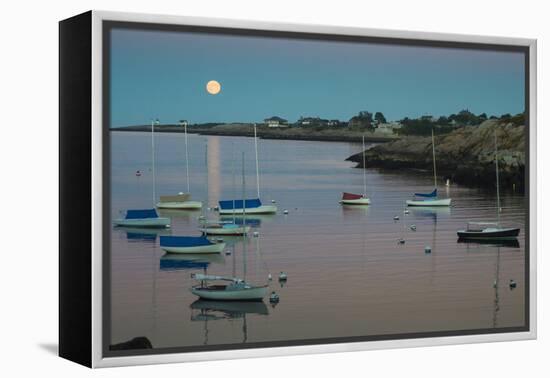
point(213, 87)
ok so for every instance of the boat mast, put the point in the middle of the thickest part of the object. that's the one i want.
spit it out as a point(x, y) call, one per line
point(364, 171)
point(186, 157)
point(257, 165)
point(207, 187)
point(433, 153)
point(244, 219)
point(233, 180)
point(153, 122)
point(498, 185)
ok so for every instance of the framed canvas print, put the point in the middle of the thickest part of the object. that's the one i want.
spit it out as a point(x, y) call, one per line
point(234, 189)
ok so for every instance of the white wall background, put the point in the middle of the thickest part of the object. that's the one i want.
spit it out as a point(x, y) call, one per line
point(28, 177)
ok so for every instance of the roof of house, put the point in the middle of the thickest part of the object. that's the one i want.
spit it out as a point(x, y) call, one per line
point(275, 118)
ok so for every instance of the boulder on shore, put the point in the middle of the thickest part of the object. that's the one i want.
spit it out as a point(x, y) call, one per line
point(465, 156)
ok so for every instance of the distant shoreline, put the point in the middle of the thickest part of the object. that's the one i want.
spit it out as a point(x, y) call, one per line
point(325, 135)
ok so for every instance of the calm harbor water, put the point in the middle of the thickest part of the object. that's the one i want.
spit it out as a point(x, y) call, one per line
point(348, 276)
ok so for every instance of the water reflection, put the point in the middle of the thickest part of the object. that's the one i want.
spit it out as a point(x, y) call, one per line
point(207, 311)
point(140, 234)
point(213, 171)
point(172, 262)
point(512, 243)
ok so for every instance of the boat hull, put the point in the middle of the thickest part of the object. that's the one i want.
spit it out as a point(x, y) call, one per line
point(211, 248)
point(430, 203)
point(185, 205)
point(359, 201)
point(250, 294)
point(264, 209)
point(492, 234)
point(225, 231)
point(143, 222)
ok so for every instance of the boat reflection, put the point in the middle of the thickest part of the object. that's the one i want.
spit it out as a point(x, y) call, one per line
point(137, 234)
point(205, 311)
point(179, 213)
point(173, 262)
point(248, 221)
point(229, 309)
point(430, 212)
point(510, 243)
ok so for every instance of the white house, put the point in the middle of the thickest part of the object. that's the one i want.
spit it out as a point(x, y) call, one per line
point(276, 122)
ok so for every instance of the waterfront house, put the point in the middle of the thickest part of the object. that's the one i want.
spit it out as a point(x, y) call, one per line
point(276, 122)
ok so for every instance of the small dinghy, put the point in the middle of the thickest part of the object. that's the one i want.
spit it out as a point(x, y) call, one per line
point(358, 199)
point(224, 228)
point(189, 244)
point(487, 230)
point(236, 290)
point(142, 218)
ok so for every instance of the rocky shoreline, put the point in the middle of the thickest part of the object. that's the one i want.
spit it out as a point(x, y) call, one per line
point(465, 156)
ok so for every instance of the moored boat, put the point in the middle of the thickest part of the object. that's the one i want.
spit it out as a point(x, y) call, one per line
point(142, 218)
point(224, 228)
point(179, 201)
point(490, 230)
point(354, 199)
point(251, 206)
point(358, 199)
point(189, 244)
point(430, 199)
point(236, 290)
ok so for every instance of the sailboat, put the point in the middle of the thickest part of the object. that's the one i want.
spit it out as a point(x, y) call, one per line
point(248, 206)
point(358, 199)
point(145, 217)
point(225, 227)
point(190, 244)
point(490, 230)
point(236, 289)
point(430, 199)
point(180, 200)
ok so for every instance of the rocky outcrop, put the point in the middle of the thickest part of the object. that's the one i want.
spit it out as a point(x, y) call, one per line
point(465, 156)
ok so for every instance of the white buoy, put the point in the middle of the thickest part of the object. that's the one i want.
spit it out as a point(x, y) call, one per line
point(427, 249)
point(406, 211)
point(256, 234)
point(269, 277)
point(282, 276)
point(285, 211)
point(180, 193)
point(413, 227)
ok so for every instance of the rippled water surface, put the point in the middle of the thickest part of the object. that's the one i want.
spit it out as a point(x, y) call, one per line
point(348, 276)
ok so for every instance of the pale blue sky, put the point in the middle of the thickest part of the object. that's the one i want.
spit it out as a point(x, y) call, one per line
point(159, 74)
